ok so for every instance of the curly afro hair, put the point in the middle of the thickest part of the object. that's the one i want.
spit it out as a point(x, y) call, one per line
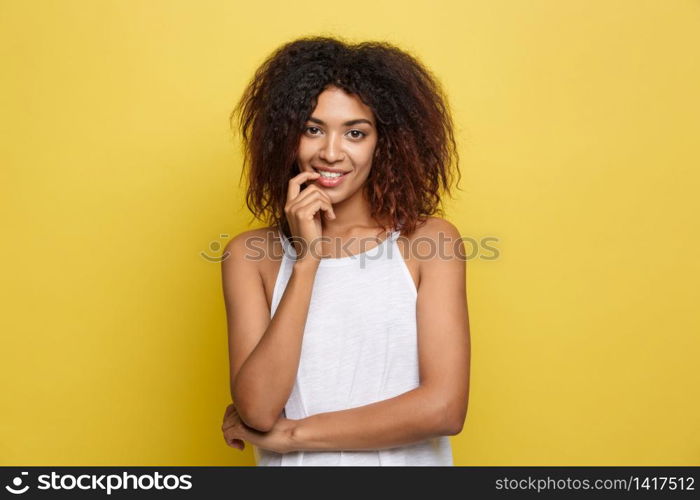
point(415, 147)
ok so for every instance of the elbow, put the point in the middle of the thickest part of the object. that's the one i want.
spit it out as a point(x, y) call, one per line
point(251, 416)
point(256, 419)
point(453, 417)
point(261, 425)
point(454, 426)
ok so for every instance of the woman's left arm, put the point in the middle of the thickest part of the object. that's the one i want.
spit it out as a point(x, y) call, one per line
point(438, 406)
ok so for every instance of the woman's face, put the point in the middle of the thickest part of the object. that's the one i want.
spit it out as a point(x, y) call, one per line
point(340, 135)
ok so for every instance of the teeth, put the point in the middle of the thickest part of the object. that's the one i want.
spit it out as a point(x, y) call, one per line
point(329, 175)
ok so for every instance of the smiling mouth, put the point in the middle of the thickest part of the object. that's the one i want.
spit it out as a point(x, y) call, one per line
point(329, 172)
point(330, 180)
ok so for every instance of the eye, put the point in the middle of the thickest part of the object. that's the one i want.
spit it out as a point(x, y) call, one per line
point(355, 134)
point(362, 134)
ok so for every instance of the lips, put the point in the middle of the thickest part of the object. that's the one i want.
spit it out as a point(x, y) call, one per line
point(330, 182)
point(331, 170)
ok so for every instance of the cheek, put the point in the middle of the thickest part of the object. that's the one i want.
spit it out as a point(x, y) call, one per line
point(305, 151)
point(361, 174)
point(363, 156)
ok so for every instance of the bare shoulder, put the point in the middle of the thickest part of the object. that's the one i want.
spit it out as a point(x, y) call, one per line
point(433, 249)
point(433, 225)
point(440, 250)
point(254, 247)
point(437, 237)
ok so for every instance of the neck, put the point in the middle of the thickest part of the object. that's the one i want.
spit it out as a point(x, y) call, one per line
point(351, 214)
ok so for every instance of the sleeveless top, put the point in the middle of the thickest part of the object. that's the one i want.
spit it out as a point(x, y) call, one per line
point(359, 347)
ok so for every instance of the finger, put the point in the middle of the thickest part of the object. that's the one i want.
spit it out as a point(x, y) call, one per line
point(309, 210)
point(303, 201)
point(312, 191)
point(231, 421)
point(228, 424)
point(235, 438)
point(313, 188)
point(235, 443)
point(294, 186)
point(231, 434)
point(230, 410)
point(315, 204)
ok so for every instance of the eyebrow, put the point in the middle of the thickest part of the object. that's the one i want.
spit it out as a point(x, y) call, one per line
point(347, 123)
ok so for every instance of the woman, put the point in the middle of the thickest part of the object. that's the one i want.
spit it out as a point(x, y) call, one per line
point(347, 316)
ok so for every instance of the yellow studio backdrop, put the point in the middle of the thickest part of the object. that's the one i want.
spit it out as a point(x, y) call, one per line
point(578, 124)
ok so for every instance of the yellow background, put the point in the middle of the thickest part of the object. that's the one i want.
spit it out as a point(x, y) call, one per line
point(578, 125)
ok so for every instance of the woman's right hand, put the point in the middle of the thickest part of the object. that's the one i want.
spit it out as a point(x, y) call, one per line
point(303, 211)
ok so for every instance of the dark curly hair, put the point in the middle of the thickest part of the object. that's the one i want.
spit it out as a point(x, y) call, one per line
point(415, 144)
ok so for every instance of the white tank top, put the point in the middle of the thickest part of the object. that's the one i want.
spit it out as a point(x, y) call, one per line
point(359, 347)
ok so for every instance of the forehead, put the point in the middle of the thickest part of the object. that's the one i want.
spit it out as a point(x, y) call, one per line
point(335, 103)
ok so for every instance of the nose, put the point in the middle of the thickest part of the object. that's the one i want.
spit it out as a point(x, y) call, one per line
point(331, 150)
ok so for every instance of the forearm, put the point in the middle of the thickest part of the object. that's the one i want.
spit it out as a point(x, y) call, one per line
point(264, 382)
point(408, 418)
